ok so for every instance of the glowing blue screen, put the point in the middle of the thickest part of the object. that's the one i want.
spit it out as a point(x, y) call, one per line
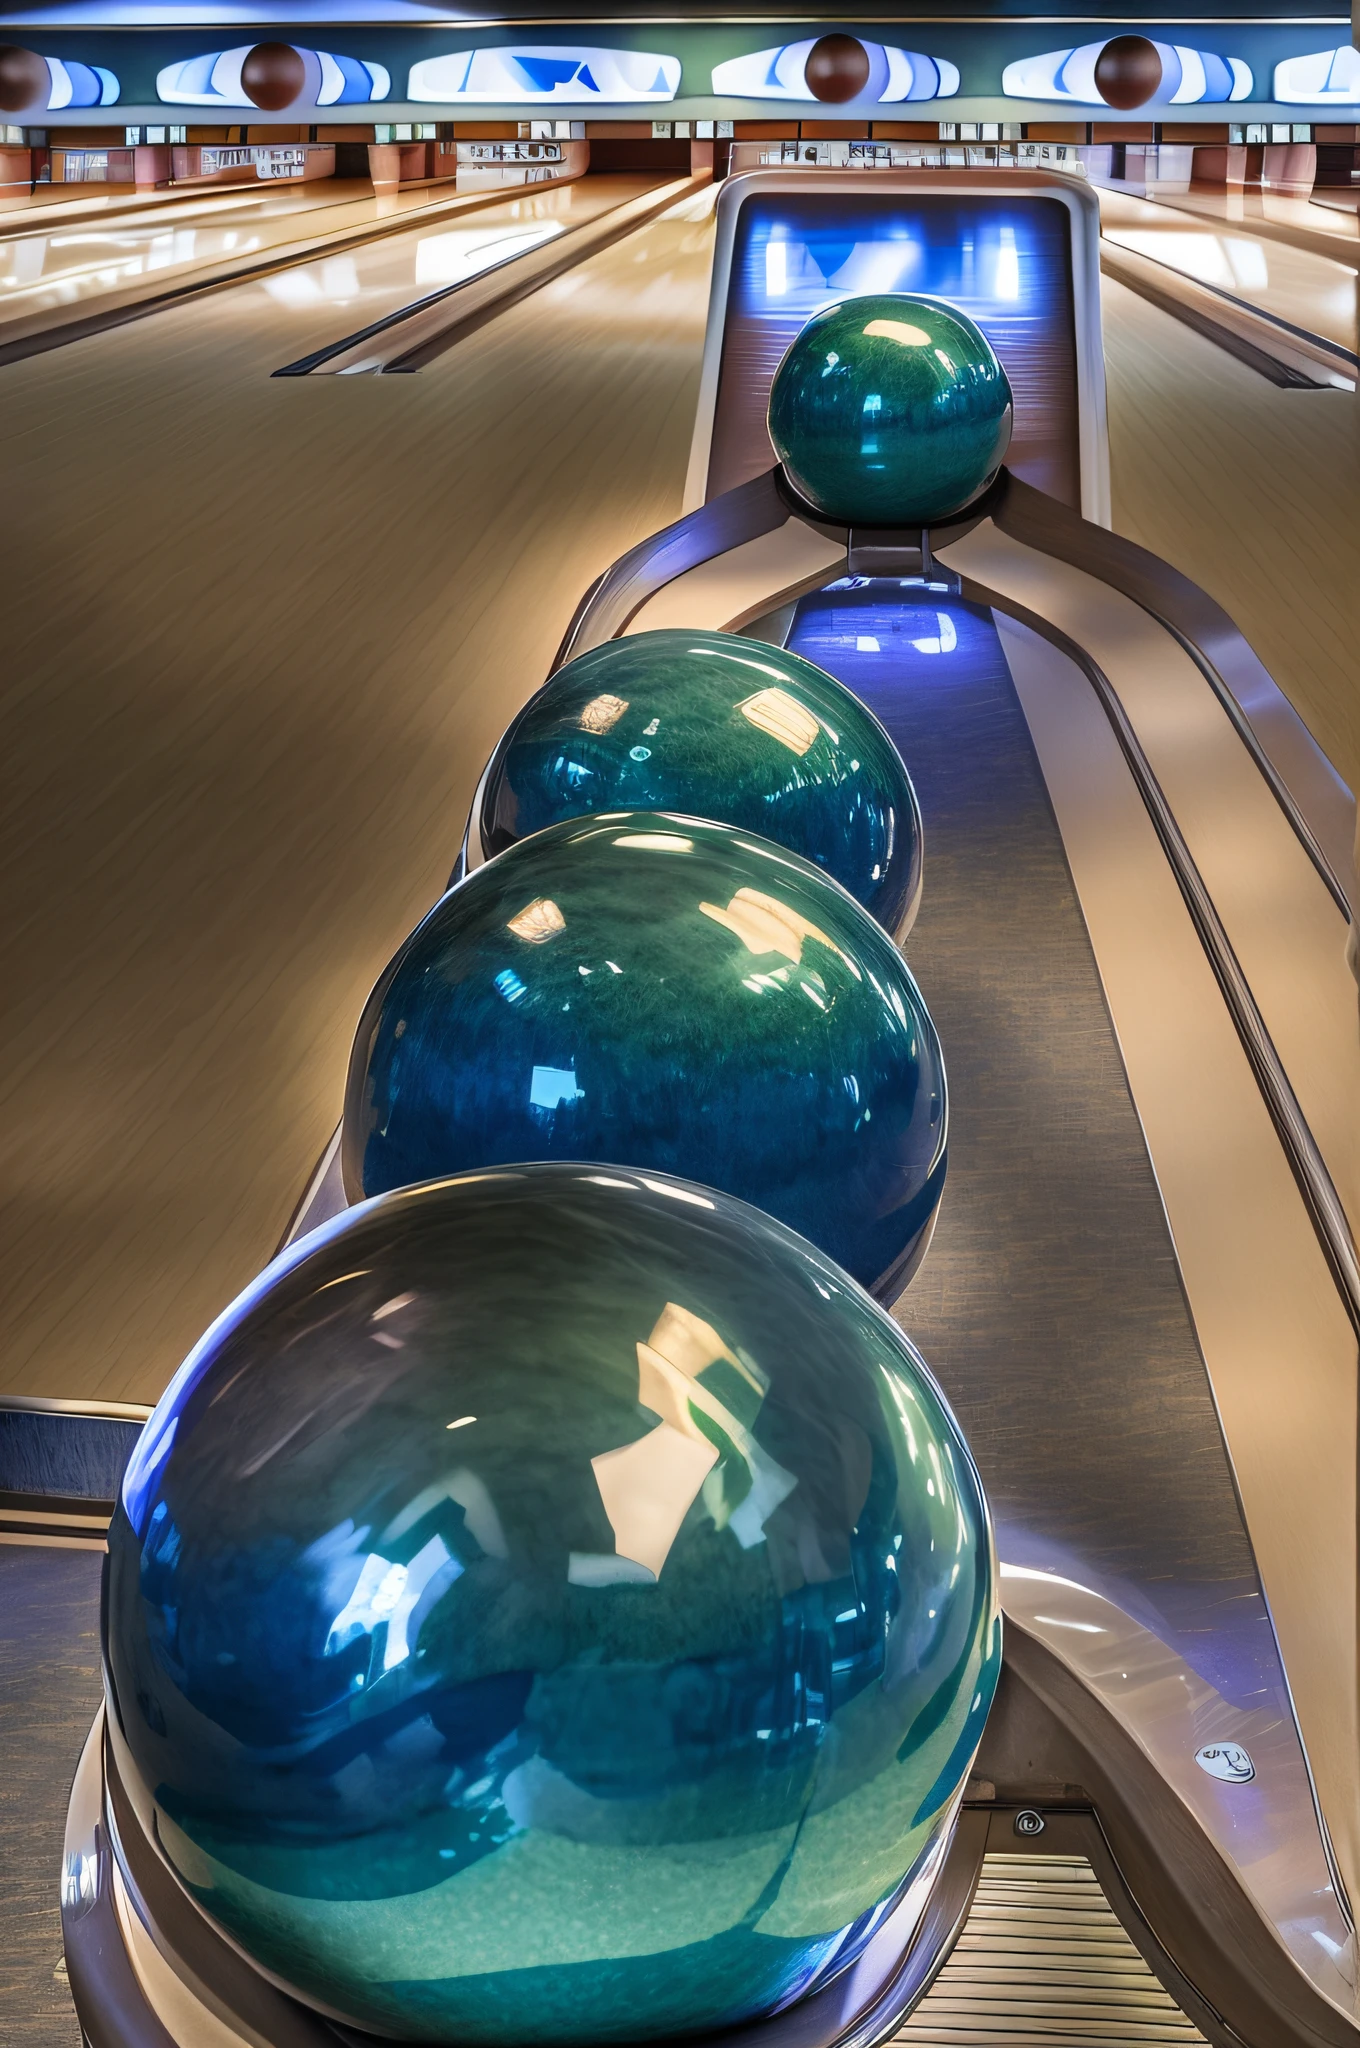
point(1005, 260)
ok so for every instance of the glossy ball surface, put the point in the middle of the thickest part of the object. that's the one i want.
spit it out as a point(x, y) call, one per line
point(25, 80)
point(837, 69)
point(1128, 72)
point(672, 994)
point(890, 410)
point(549, 1608)
point(272, 76)
point(717, 727)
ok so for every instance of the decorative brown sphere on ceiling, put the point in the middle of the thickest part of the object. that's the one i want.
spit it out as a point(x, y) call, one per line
point(837, 69)
point(1128, 72)
point(272, 76)
point(24, 79)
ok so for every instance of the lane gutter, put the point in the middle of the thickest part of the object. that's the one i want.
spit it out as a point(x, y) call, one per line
point(38, 340)
point(1333, 248)
point(305, 365)
point(428, 326)
point(1292, 358)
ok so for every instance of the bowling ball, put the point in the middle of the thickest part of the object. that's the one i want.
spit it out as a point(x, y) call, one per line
point(717, 727)
point(890, 410)
point(1128, 72)
point(550, 1606)
point(272, 76)
point(837, 68)
point(670, 993)
point(25, 80)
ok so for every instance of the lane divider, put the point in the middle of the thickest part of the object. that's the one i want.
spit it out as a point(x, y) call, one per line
point(1291, 357)
point(118, 309)
point(405, 341)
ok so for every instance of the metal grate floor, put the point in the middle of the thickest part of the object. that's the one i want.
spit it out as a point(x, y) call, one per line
point(1043, 1961)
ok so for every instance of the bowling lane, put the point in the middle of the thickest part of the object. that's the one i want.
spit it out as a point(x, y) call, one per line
point(265, 200)
point(1297, 286)
point(262, 635)
point(1330, 217)
point(49, 205)
point(84, 262)
point(1252, 491)
point(372, 282)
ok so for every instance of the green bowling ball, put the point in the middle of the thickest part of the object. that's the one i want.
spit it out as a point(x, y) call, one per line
point(890, 410)
point(550, 1606)
point(716, 726)
point(676, 995)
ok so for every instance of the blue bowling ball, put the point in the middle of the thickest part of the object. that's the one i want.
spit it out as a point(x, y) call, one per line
point(721, 727)
point(671, 993)
point(890, 410)
point(551, 1606)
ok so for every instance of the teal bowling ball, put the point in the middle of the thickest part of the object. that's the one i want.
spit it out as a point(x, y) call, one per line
point(549, 1607)
point(890, 410)
point(673, 994)
point(720, 727)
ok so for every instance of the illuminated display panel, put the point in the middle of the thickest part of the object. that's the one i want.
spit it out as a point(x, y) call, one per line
point(1007, 262)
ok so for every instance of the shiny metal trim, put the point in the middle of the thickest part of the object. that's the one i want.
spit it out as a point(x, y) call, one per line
point(94, 1411)
point(1310, 1172)
point(700, 535)
point(302, 1219)
point(1183, 610)
point(1041, 1957)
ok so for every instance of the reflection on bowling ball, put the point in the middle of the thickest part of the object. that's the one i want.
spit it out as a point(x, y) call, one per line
point(674, 994)
point(550, 1607)
point(890, 410)
point(717, 727)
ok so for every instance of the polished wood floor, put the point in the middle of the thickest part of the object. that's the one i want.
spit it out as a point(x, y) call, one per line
point(260, 638)
point(1251, 490)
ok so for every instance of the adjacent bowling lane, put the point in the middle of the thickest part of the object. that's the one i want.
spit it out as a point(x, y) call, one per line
point(1298, 286)
point(91, 262)
point(1251, 490)
point(52, 206)
point(262, 634)
point(360, 286)
point(1328, 218)
point(46, 205)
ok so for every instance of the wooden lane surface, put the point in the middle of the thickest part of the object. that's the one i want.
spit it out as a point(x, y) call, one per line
point(1327, 227)
point(592, 212)
point(175, 205)
point(49, 313)
point(1311, 290)
point(1252, 491)
point(261, 636)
